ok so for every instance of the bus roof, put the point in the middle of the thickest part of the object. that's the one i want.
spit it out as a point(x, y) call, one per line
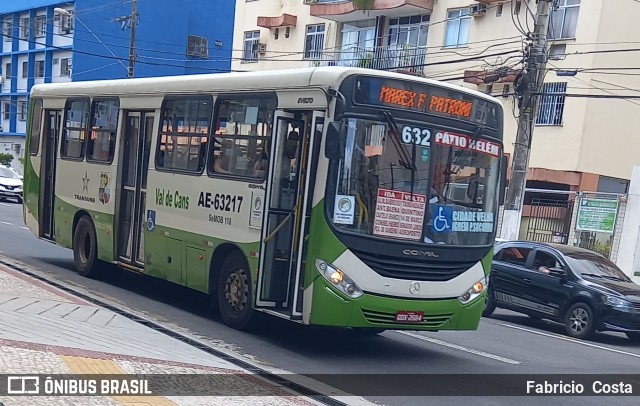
point(233, 81)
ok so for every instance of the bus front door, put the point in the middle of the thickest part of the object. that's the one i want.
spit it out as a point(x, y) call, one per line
point(46, 205)
point(130, 222)
point(278, 255)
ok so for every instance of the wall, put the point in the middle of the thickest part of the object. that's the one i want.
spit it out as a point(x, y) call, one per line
point(629, 260)
point(161, 38)
point(283, 53)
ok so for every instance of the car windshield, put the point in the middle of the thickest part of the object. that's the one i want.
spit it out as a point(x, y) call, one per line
point(8, 173)
point(592, 265)
point(415, 181)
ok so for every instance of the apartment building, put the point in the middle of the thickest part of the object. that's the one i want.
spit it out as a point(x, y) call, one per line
point(49, 41)
point(430, 38)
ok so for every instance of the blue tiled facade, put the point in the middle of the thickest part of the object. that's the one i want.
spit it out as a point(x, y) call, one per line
point(47, 41)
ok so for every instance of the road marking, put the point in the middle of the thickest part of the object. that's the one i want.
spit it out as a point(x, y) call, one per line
point(24, 228)
point(4, 222)
point(573, 340)
point(5, 204)
point(460, 348)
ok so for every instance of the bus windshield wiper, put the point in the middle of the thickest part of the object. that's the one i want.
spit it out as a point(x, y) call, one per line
point(405, 160)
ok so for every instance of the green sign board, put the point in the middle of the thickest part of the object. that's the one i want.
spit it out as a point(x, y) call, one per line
point(597, 215)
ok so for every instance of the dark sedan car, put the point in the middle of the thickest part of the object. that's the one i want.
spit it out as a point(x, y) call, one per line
point(579, 288)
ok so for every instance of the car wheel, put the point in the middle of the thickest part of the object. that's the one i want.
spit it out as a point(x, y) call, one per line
point(489, 305)
point(235, 297)
point(579, 322)
point(19, 199)
point(635, 337)
point(85, 248)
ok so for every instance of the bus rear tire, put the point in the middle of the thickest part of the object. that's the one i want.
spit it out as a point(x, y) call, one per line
point(85, 248)
point(235, 295)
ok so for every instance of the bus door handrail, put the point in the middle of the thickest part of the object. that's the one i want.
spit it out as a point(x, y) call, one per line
point(279, 227)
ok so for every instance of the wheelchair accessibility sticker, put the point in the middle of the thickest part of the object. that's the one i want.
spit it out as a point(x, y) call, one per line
point(151, 220)
point(442, 219)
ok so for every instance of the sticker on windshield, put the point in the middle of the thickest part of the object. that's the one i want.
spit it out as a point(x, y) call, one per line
point(399, 214)
point(445, 219)
point(442, 219)
point(416, 135)
point(465, 142)
point(344, 209)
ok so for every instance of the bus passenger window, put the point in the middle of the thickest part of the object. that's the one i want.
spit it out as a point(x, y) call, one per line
point(102, 138)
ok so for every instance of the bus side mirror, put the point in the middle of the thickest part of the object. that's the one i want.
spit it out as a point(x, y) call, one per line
point(503, 178)
point(332, 146)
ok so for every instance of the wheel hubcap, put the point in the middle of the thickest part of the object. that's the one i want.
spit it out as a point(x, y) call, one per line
point(236, 289)
point(579, 320)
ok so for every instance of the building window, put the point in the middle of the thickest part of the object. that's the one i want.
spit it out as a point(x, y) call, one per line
point(7, 28)
point(197, 46)
point(551, 105)
point(22, 111)
point(65, 67)
point(184, 133)
point(564, 20)
point(66, 23)
point(39, 69)
point(74, 134)
point(40, 26)
point(251, 41)
point(314, 41)
point(499, 10)
point(409, 31)
point(24, 28)
point(7, 110)
point(102, 139)
point(517, 6)
point(243, 127)
point(7, 71)
point(458, 23)
point(25, 69)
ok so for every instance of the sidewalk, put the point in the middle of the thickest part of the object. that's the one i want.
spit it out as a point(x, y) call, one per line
point(44, 330)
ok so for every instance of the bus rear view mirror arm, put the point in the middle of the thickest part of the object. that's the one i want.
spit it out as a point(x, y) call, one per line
point(332, 148)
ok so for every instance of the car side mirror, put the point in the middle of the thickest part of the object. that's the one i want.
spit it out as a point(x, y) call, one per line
point(558, 273)
point(332, 148)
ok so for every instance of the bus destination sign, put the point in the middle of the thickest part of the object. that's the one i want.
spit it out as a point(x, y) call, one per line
point(409, 95)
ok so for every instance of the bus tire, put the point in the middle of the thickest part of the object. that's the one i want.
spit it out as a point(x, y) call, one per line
point(234, 292)
point(85, 248)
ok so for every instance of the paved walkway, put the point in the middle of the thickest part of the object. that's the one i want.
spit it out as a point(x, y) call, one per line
point(44, 330)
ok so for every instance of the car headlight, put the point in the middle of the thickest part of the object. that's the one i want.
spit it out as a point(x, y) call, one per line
point(338, 278)
point(617, 302)
point(474, 291)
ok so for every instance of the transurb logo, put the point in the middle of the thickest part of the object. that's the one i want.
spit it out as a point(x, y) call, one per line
point(104, 192)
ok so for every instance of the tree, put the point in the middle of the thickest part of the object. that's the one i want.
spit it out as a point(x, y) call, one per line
point(363, 4)
point(5, 159)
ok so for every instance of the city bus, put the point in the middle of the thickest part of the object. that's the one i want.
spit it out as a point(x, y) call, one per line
point(327, 196)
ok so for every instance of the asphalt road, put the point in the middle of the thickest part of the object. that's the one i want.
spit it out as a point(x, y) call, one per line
point(507, 343)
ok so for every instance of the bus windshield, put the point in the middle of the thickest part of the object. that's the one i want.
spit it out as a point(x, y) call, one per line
point(416, 182)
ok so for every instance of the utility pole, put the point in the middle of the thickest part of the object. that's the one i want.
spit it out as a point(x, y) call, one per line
point(133, 19)
point(527, 89)
point(130, 21)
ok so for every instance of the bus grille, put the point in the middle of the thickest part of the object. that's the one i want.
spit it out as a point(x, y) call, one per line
point(431, 320)
point(414, 269)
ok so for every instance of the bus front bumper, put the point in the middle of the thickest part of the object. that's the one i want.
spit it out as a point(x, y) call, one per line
point(331, 308)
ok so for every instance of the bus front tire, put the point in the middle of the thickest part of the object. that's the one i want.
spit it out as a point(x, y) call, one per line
point(235, 296)
point(85, 248)
point(489, 305)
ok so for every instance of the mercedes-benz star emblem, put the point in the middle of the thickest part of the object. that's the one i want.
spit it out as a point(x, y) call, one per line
point(414, 288)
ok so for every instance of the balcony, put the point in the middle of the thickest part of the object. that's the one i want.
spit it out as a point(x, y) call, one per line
point(283, 20)
point(344, 11)
point(399, 58)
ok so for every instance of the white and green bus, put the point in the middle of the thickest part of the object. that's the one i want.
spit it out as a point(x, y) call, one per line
point(327, 196)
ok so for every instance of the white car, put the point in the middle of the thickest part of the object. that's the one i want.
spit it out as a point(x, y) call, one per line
point(10, 184)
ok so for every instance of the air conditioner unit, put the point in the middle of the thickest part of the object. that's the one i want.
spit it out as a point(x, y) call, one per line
point(477, 10)
point(309, 1)
point(262, 48)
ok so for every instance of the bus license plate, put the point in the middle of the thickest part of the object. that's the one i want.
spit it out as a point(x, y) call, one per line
point(409, 317)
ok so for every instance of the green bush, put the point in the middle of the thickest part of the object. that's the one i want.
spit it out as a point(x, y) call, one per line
point(5, 159)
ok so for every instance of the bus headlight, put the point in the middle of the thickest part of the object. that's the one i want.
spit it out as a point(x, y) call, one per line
point(474, 292)
point(339, 279)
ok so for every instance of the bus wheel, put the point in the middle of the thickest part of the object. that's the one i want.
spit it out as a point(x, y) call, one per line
point(235, 300)
point(85, 248)
point(489, 305)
